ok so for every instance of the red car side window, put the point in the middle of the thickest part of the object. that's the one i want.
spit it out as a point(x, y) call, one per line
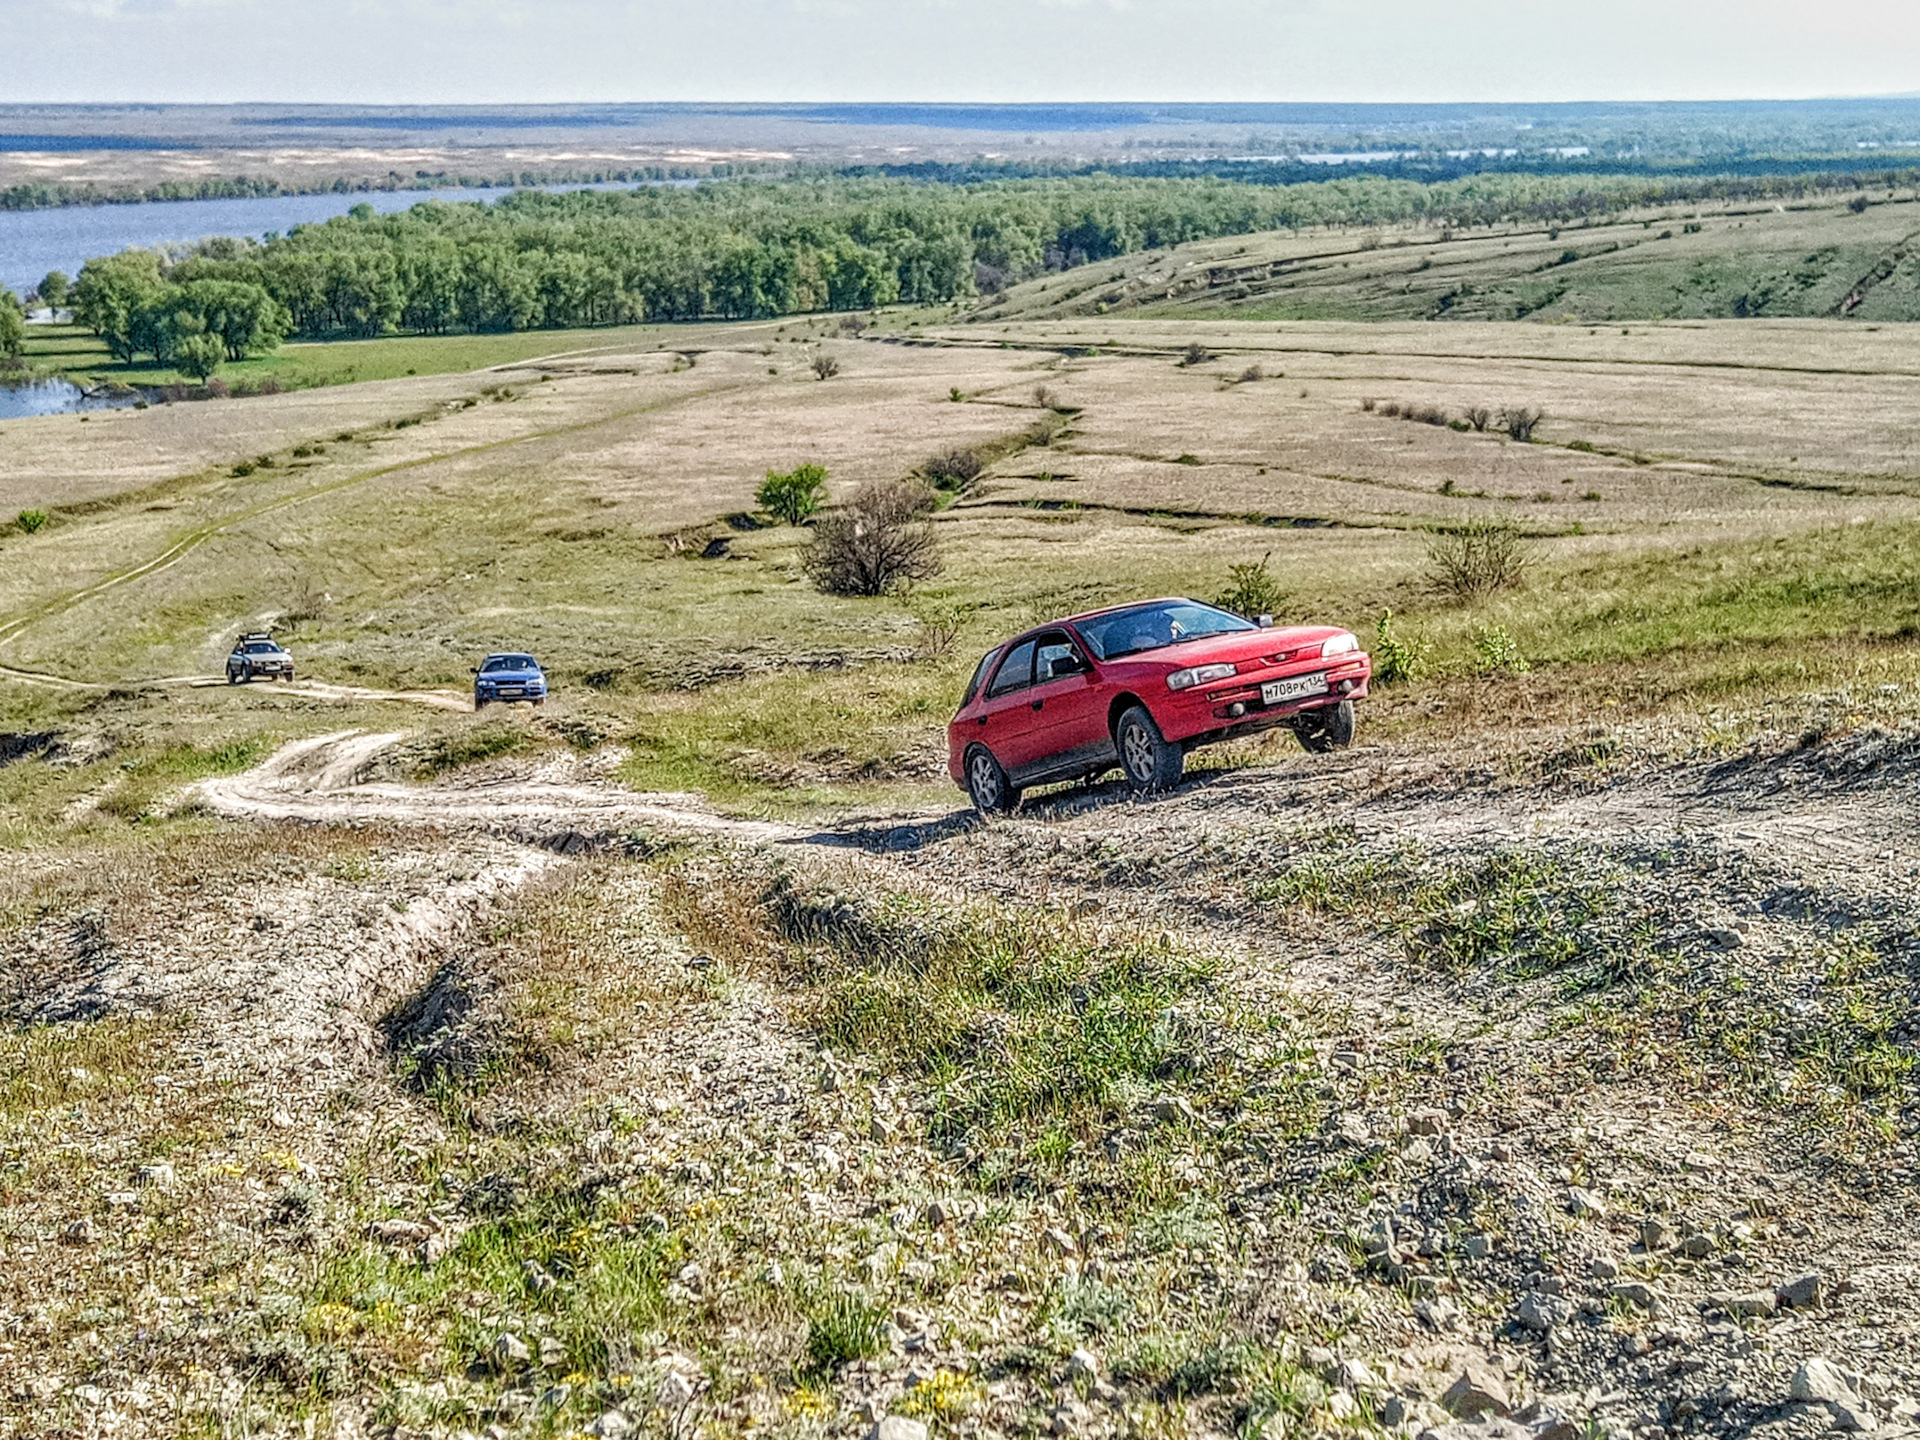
point(1015, 672)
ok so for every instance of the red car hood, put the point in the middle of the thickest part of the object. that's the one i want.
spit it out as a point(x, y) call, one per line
point(1239, 646)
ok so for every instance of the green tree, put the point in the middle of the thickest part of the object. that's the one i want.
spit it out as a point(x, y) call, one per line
point(111, 294)
point(54, 289)
point(13, 326)
point(199, 355)
point(246, 318)
point(792, 497)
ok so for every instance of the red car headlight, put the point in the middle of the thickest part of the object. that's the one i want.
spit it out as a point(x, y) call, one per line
point(1339, 645)
point(1198, 675)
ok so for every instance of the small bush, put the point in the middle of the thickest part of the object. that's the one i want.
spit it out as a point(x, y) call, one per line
point(1252, 590)
point(1252, 373)
point(1368, 404)
point(825, 367)
point(793, 496)
point(956, 394)
point(842, 1328)
point(1858, 204)
point(1478, 558)
point(1396, 660)
point(308, 603)
point(1479, 416)
point(954, 470)
point(31, 521)
point(880, 543)
point(1495, 652)
point(1044, 397)
point(1196, 354)
point(1519, 423)
point(939, 630)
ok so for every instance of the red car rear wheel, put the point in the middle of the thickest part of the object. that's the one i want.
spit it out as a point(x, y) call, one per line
point(987, 784)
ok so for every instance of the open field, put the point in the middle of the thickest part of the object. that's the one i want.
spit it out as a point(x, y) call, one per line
point(378, 1069)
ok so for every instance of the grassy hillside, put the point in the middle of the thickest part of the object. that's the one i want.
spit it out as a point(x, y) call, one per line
point(1718, 514)
point(1816, 260)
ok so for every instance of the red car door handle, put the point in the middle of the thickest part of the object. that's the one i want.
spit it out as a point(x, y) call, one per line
point(1038, 703)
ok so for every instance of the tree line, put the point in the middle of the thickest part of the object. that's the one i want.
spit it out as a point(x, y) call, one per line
point(741, 249)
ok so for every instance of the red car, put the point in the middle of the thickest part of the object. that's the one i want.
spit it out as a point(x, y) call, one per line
point(1138, 686)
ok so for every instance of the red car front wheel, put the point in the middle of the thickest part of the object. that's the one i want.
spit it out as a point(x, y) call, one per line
point(1151, 761)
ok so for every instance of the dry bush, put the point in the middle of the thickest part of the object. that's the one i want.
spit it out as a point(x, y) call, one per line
point(1196, 354)
point(1478, 557)
point(1368, 405)
point(882, 542)
point(1044, 397)
point(307, 603)
point(1519, 421)
point(1479, 416)
point(1251, 374)
point(825, 367)
point(953, 470)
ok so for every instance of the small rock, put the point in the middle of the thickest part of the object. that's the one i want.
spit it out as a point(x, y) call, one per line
point(553, 1355)
point(941, 1212)
point(1724, 939)
point(1697, 1246)
point(897, 1427)
point(1172, 1110)
point(610, 1426)
point(1757, 1305)
point(1347, 1060)
point(280, 1120)
point(1479, 1247)
point(1803, 1292)
point(1441, 1313)
point(1083, 1364)
point(1540, 1313)
point(1699, 1160)
point(1655, 1234)
point(882, 1131)
point(1820, 1379)
point(1501, 1151)
point(1427, 1122)
point(1058, 1242)
point(159, 1176)
point(1396, 1411)
point(675, 1392)
point(1350, 1128)
point(510, 1350)
point(1586, 1202)
point(1342, 1406)
point(539, 1279)
point(1477, 1390)
point(1416, 1151)
point(1354, 1375)
point(1635, 1292)
point(1603, 1269)
point(80, 1232)
point(399, 1232)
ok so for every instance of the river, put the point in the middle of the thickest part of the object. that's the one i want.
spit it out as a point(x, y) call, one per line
point(32, 242)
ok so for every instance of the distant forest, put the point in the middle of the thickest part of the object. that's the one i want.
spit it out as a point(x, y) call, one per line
point(741, 249)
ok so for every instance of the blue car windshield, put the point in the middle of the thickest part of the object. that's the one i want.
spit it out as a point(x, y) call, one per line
point(1148, 627)
point(497, 663)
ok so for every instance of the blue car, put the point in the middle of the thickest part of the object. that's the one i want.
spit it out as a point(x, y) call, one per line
point(508, 676)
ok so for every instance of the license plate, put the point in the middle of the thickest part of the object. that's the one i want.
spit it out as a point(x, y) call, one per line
point(514, 690)
point(1294, 687)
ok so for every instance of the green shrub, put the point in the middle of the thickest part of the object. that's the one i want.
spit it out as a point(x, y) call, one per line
point(1495, 652)
point(31, 521)
point(794, 496)
point(841, 1328)
point(1252, 590)
point(1396, 660)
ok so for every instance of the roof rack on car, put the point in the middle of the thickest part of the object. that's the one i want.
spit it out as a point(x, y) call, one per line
point(257, 635)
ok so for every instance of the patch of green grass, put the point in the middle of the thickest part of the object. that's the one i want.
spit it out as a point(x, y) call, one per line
point(74, 351)
point(842, 1327)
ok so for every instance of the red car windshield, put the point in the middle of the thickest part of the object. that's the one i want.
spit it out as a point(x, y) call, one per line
point(1149, 627)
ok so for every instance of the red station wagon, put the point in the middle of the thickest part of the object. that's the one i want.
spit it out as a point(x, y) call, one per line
point(1138, 686)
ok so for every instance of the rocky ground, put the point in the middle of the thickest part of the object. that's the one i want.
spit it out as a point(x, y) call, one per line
point(1372, 1093)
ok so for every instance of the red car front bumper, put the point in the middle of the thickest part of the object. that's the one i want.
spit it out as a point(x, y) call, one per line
point(1236, 704)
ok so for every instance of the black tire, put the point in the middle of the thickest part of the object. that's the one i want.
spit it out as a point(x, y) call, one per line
point(232, 679)
point(1150, 761)
point(1326, 729)
point(478, 704)
point(988, 787)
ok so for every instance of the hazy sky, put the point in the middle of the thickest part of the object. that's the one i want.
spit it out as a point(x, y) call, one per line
point(492, 51)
